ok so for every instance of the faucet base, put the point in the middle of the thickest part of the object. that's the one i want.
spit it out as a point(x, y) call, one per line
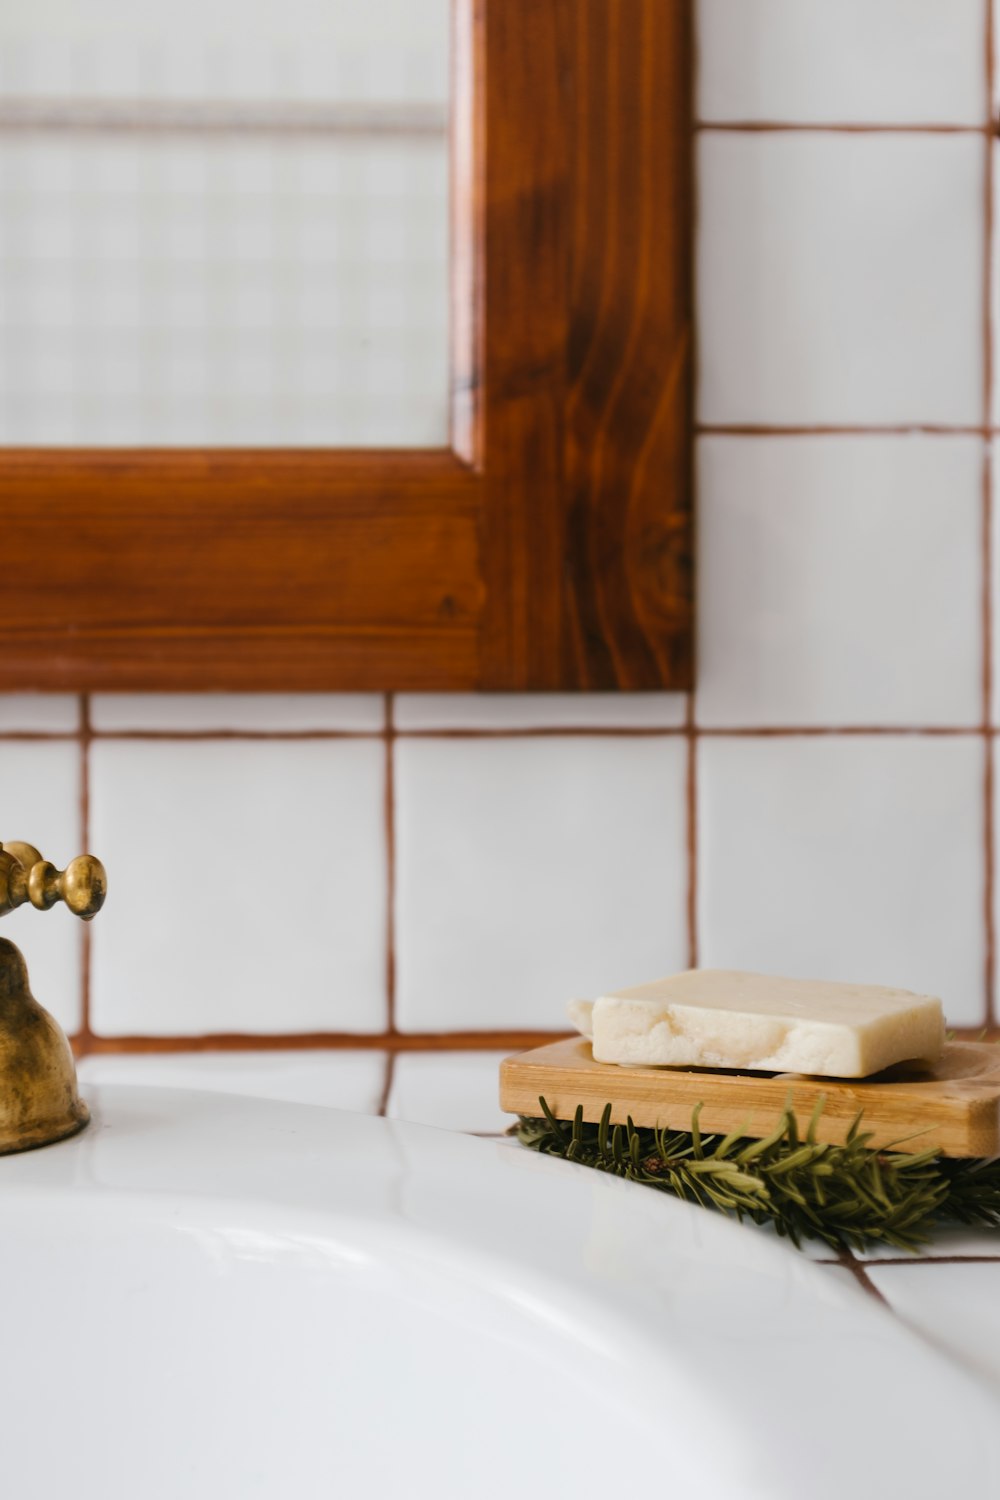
point(48, 1132)
point(39, 1099)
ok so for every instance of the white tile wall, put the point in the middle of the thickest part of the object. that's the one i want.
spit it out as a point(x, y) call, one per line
point(453, 1090)
point(266, 713)
point(840, 283)
point(47, 713)
point(417, 711)
point(839, 580)
point(449, 1090)
point(852, 858)
point(248, 890)
point(840, 278)
point(869, 61)
point(337, 1080)
point(956, 1307)
point(530, 872)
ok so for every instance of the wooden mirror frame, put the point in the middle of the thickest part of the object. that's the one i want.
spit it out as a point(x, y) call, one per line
point(549, 546)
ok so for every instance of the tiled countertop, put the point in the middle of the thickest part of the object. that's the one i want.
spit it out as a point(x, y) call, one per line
point(452, 1090)
point(950, 1293)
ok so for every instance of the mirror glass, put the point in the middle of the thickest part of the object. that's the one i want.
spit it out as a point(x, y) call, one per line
point(224, 223)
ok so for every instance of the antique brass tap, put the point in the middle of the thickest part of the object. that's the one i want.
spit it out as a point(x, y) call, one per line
point(39, 1098)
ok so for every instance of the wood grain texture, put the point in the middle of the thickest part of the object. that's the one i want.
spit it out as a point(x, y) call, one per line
point(629, 411)
point(954, 1108)
point(586, 387)
point(549, 548)
point(159, 570)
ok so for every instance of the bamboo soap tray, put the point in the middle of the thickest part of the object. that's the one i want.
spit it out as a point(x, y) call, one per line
point(955, 1106)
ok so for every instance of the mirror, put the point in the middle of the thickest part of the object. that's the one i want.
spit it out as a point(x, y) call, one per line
point(224, 225)
point(181, 188)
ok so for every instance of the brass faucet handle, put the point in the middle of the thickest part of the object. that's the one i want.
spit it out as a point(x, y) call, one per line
point(26, 876)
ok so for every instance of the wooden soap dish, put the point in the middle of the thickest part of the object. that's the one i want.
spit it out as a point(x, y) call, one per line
point(954, 1106)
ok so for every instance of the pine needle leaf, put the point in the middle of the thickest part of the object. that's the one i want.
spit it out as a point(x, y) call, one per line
point(846, 1195)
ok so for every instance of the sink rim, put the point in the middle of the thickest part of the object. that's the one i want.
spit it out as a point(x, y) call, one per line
point(560, 1242)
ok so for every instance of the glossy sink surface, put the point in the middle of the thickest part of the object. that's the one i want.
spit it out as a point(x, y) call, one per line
point(220, 1296)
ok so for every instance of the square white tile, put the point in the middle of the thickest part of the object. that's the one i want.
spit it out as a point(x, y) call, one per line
point(840, 279)
point(262, 712)
point(856, 858)
point(839, 581)
point(868, 61)
point(956, 1307)
point(452, 1090)
point(533, 871)
point(41, 806)
point(499, 711)
point(44, 713)
point(341, 1080)
point(246, 886)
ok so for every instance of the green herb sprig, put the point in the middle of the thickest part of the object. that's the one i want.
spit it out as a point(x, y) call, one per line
point(847, 1195)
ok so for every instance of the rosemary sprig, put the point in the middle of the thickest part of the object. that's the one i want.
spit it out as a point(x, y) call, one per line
point(848, 1195)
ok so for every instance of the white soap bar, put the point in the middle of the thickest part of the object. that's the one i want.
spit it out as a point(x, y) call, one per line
point(717, 1018)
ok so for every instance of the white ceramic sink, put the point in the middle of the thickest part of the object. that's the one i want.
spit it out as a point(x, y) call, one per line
point(210, 1296)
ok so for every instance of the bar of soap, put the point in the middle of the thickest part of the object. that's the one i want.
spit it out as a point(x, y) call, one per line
point(718, 1018)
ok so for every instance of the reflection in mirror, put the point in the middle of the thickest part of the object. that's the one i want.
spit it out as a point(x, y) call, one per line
point(223, 225)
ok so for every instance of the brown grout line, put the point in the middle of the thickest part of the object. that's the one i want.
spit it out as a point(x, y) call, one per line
point(83, 1037)
point(549, 731)
point(989, 850)
point(814, 127)
point(390, 865)
point(691, 808)
point(389, 1041)
point(555, 731)
point(388, 1076)
point(38, 737)
point(333, 1041)
point(933, 1260)
point(33, 736)
point(237, 734)
point(546, 731)
point(850, 1263)
point(813, 731)
point(901, 429)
